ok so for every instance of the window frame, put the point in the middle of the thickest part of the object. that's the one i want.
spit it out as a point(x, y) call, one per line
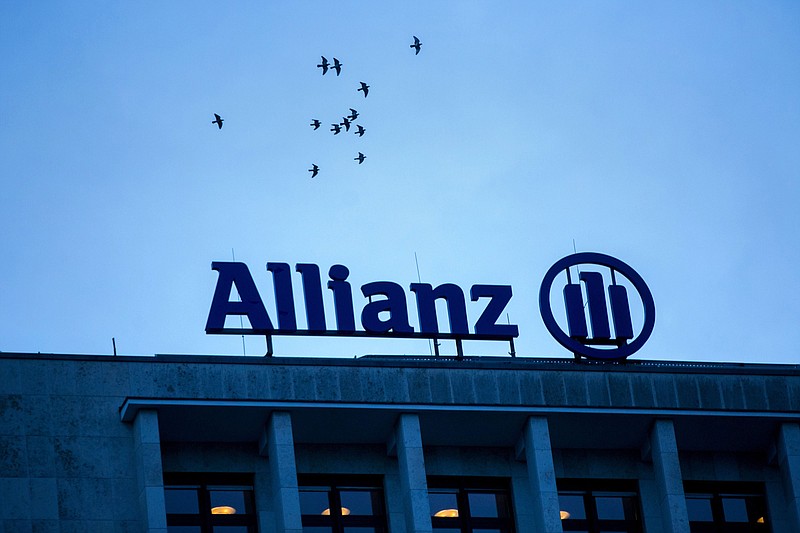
point(590, 490)
point(335, 485)
point(205, 483)
point(462, 487)
point(717, 491)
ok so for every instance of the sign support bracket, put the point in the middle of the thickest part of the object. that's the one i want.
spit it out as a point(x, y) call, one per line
point(269, 346)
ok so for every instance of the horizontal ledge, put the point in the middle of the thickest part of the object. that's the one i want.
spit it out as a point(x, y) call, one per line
point(358, 333)
point(131, 406)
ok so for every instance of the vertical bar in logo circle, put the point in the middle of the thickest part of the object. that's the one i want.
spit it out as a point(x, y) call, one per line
point(598, 314)
point(621, 311)
point(576, 318)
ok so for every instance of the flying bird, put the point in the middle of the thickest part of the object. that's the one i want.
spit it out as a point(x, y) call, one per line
point(316, 123)
point(324, 65)
point(335, 128)
point(416, 46)
point(346, 124)
point(314, 170)
point(219, 120)
point(360, 131)
point(353, 114)
point(337, 66)
point(361, 157)
point(364, 87)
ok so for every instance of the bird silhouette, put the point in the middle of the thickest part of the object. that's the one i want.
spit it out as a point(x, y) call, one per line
point(324, 65)
point(360, 131)
point(346, 124)
point(361, 157)
point(316, 123)
point(219, 120)
point(314, 170)
point(335, 128)
point(337, 66)
point(353, 114)
point(416, 46)
point(364, 87)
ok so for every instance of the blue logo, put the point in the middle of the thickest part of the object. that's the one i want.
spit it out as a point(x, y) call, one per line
point(384, 314)
point(591, 283)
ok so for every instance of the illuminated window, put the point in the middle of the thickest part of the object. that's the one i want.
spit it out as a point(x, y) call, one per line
point(470, 505)
point(726, 507)
point(596, 506)
point(342, 504)
point(209, 503)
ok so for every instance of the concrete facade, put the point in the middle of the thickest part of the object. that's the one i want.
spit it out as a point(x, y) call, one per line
point(84, 441)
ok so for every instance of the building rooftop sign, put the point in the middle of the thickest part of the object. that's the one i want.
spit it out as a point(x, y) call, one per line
point(385, 316)
point(577, 339)
point(386, 313)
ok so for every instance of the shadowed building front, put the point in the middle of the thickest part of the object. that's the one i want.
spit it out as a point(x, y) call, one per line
point(396, 444)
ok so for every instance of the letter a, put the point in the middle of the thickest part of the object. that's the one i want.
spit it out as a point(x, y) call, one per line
point(251, 306)
point(394, 304)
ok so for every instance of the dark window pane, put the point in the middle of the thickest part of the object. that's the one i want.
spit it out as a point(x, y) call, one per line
point(734, 509)
point(359, 530)
point(183, 529)
point(181, 501)
point(358, 502)
point(572, 504)
point(316, 529)
point(610, 508)
point(443, 504)
point(487, 531)
point(699, 509)
point(314, 502)
point(631, 508)
point(230, 529)
point(484, 504)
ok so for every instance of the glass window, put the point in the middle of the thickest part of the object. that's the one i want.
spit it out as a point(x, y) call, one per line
point(342, 504)
point(698, 507)
point(470, 505)
point(715, 507)
point(599, 506)
point(209, 503)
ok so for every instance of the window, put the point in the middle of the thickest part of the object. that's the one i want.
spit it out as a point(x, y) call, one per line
point(470, 505)
point(596, 506)
point(342, 504)
point(209, 503)
point(726, 507)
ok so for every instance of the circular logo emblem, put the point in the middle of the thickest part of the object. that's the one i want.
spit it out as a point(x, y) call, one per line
point(592, 285)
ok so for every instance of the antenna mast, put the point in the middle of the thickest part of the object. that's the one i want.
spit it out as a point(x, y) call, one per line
point(241, 321)
point(419, 279)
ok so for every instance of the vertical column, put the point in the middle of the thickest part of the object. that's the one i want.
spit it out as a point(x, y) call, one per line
point(149, 473)
point(789, 464)
point(413, 482)
point(277, 443)
point(668, 478)
point(542, 475)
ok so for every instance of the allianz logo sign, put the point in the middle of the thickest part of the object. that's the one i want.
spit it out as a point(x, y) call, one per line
point(385, 312)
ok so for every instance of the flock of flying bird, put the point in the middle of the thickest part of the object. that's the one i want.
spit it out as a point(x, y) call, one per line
point(348, 120)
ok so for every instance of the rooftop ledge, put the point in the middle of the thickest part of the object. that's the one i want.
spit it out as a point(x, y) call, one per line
point(423, 361)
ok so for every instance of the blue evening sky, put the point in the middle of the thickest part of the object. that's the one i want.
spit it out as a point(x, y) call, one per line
point(666, 134)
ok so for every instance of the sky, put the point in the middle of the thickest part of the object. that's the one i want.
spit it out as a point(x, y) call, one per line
point(664, 134)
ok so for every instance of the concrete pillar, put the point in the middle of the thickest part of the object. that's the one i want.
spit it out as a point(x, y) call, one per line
point(668, 478)
point(149, 473)
point(277, 442)
point(541, 475)
point(789, 463)
point(407, 444)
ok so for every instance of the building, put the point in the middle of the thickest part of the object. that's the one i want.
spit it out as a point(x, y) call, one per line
point(395, 445)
